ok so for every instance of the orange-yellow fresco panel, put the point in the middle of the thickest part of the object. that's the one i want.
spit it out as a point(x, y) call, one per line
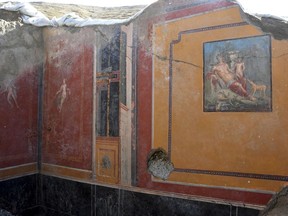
point(251, 142)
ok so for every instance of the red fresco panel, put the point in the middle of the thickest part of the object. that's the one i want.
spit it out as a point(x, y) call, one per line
point(67, 126)
point(18, 120)
point(144, 108)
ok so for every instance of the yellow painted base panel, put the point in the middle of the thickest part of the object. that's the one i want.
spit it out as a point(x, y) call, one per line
point(67, 172)
point(16, 171)
point(107, 154)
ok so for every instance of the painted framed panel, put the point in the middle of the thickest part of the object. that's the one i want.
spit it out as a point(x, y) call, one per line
point(237, 75)
point(107, 154)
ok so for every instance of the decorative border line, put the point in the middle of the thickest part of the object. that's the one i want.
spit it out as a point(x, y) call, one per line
point(235, 174)
point(198, 171)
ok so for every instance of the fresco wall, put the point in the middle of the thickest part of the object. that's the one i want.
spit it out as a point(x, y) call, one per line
point(21, 67)
point(225, 141)
point(195, 79)
point(68, 102)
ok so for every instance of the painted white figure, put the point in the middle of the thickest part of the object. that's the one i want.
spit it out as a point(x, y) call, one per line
point(11, 94)
point(61, 95)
